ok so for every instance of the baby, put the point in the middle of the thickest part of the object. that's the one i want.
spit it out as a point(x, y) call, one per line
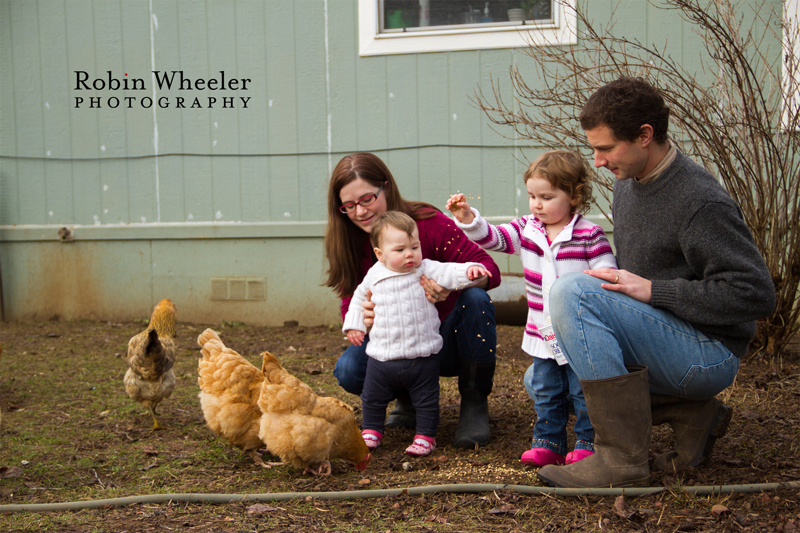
point(405, 336)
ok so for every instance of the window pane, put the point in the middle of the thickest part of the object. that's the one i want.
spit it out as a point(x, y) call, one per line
point(420, 15)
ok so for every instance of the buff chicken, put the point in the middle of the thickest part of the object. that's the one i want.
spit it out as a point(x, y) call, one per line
point(151, 355)
point(229, 390)
point(304, 429)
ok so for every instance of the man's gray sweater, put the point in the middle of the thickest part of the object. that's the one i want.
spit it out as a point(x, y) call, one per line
point(685, 234)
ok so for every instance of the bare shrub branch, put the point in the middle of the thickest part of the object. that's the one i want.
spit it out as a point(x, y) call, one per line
point(737, 114)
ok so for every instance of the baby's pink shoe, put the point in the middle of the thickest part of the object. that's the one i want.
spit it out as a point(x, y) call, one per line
point(541, 457)
point(577, 455)
point(371, 438)
point(422, 445)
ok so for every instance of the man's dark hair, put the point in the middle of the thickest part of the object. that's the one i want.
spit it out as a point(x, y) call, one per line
point(625, 105)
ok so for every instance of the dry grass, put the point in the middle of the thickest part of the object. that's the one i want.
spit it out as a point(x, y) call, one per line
point(70, 433)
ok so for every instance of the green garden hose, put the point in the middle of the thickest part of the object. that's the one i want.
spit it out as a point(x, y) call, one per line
point(705, 490)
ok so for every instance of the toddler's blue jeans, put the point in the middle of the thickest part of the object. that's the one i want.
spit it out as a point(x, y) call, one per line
point(553, 387)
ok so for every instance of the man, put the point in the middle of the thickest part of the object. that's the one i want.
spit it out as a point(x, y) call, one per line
point(656, 340)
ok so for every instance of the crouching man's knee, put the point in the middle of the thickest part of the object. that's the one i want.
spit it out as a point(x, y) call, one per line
point(565, 294)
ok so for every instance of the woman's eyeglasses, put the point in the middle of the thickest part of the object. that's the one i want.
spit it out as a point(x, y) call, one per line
point(364, 201)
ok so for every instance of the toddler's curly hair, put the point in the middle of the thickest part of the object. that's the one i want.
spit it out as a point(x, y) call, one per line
point(565, 170)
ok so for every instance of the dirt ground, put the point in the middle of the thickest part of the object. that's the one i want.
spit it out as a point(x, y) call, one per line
point(69, 433)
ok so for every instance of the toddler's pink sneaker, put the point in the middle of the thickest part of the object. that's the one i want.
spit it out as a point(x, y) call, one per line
point(371, 438)
point(577, 455)
point(422, 445)
point(541, 457)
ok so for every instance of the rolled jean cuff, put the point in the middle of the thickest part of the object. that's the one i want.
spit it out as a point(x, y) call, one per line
point(547, 445)
point(584, 445)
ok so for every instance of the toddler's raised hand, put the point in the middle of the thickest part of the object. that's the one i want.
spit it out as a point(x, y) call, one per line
point(355, 336)
point(458, 205)
point(474, 272)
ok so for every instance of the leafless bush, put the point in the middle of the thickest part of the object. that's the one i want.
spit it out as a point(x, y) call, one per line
point(738, 114)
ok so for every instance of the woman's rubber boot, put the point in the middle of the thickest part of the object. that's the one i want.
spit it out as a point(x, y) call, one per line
point(619, 409)
point(697, 424)
point(404, 415)
point(475, 382)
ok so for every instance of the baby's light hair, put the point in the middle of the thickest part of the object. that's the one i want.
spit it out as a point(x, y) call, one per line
point(396, 219)
point(565, 170)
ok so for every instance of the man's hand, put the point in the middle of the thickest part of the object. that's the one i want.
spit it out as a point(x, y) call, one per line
point(369, 310)
point(625, 282)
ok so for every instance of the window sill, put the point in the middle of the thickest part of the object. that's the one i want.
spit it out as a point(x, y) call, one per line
point(371, 43)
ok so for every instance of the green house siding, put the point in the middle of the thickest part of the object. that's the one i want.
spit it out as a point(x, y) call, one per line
point(166, 202)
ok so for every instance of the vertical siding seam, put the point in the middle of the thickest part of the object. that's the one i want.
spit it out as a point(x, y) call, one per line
point(296, 112)
point(97, 117)
point(386, 90)
point(41, 107)
point(210, 122)
point(152, 277)
point(481, 138)
point(238, 118)
point(99, 162)
point(14, 108)
point(13, 91)
point(127, 154)
point(266, 168)
point(517, 190)
point(418, 150)
point(328, 88)
point(356, 60)
point(69, 124)
point(155, 107)
point(182, 132)
point(448, 149)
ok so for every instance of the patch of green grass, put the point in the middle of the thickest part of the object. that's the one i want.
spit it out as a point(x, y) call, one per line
point(39, 522)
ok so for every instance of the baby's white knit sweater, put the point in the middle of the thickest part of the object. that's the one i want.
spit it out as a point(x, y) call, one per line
point(406, 323)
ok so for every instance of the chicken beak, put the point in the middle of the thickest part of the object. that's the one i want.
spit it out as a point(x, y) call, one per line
point(363, 465)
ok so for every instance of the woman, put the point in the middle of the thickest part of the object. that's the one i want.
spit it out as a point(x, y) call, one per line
point(362, 189)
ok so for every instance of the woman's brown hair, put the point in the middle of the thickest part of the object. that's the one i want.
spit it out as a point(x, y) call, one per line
point(344, 241)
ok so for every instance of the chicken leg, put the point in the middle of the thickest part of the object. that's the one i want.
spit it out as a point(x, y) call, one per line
point(257, 459)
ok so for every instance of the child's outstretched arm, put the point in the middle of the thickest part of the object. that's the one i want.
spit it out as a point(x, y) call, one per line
point(458, 205)
point(475, 272)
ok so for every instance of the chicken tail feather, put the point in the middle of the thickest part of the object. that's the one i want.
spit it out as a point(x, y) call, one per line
point(207, 335)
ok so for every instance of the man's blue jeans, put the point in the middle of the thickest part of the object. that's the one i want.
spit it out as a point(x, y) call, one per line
point(601, 332)
point(469, 334)
point(553, 388)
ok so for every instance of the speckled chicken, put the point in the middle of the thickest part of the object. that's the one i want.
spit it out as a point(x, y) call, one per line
point(151, 355)
point(229, 390)
point(304, 429)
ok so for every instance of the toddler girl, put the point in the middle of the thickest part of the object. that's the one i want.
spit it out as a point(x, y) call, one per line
point(552, 240)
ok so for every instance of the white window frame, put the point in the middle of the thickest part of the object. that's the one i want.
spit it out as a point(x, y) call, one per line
point(561, 31)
